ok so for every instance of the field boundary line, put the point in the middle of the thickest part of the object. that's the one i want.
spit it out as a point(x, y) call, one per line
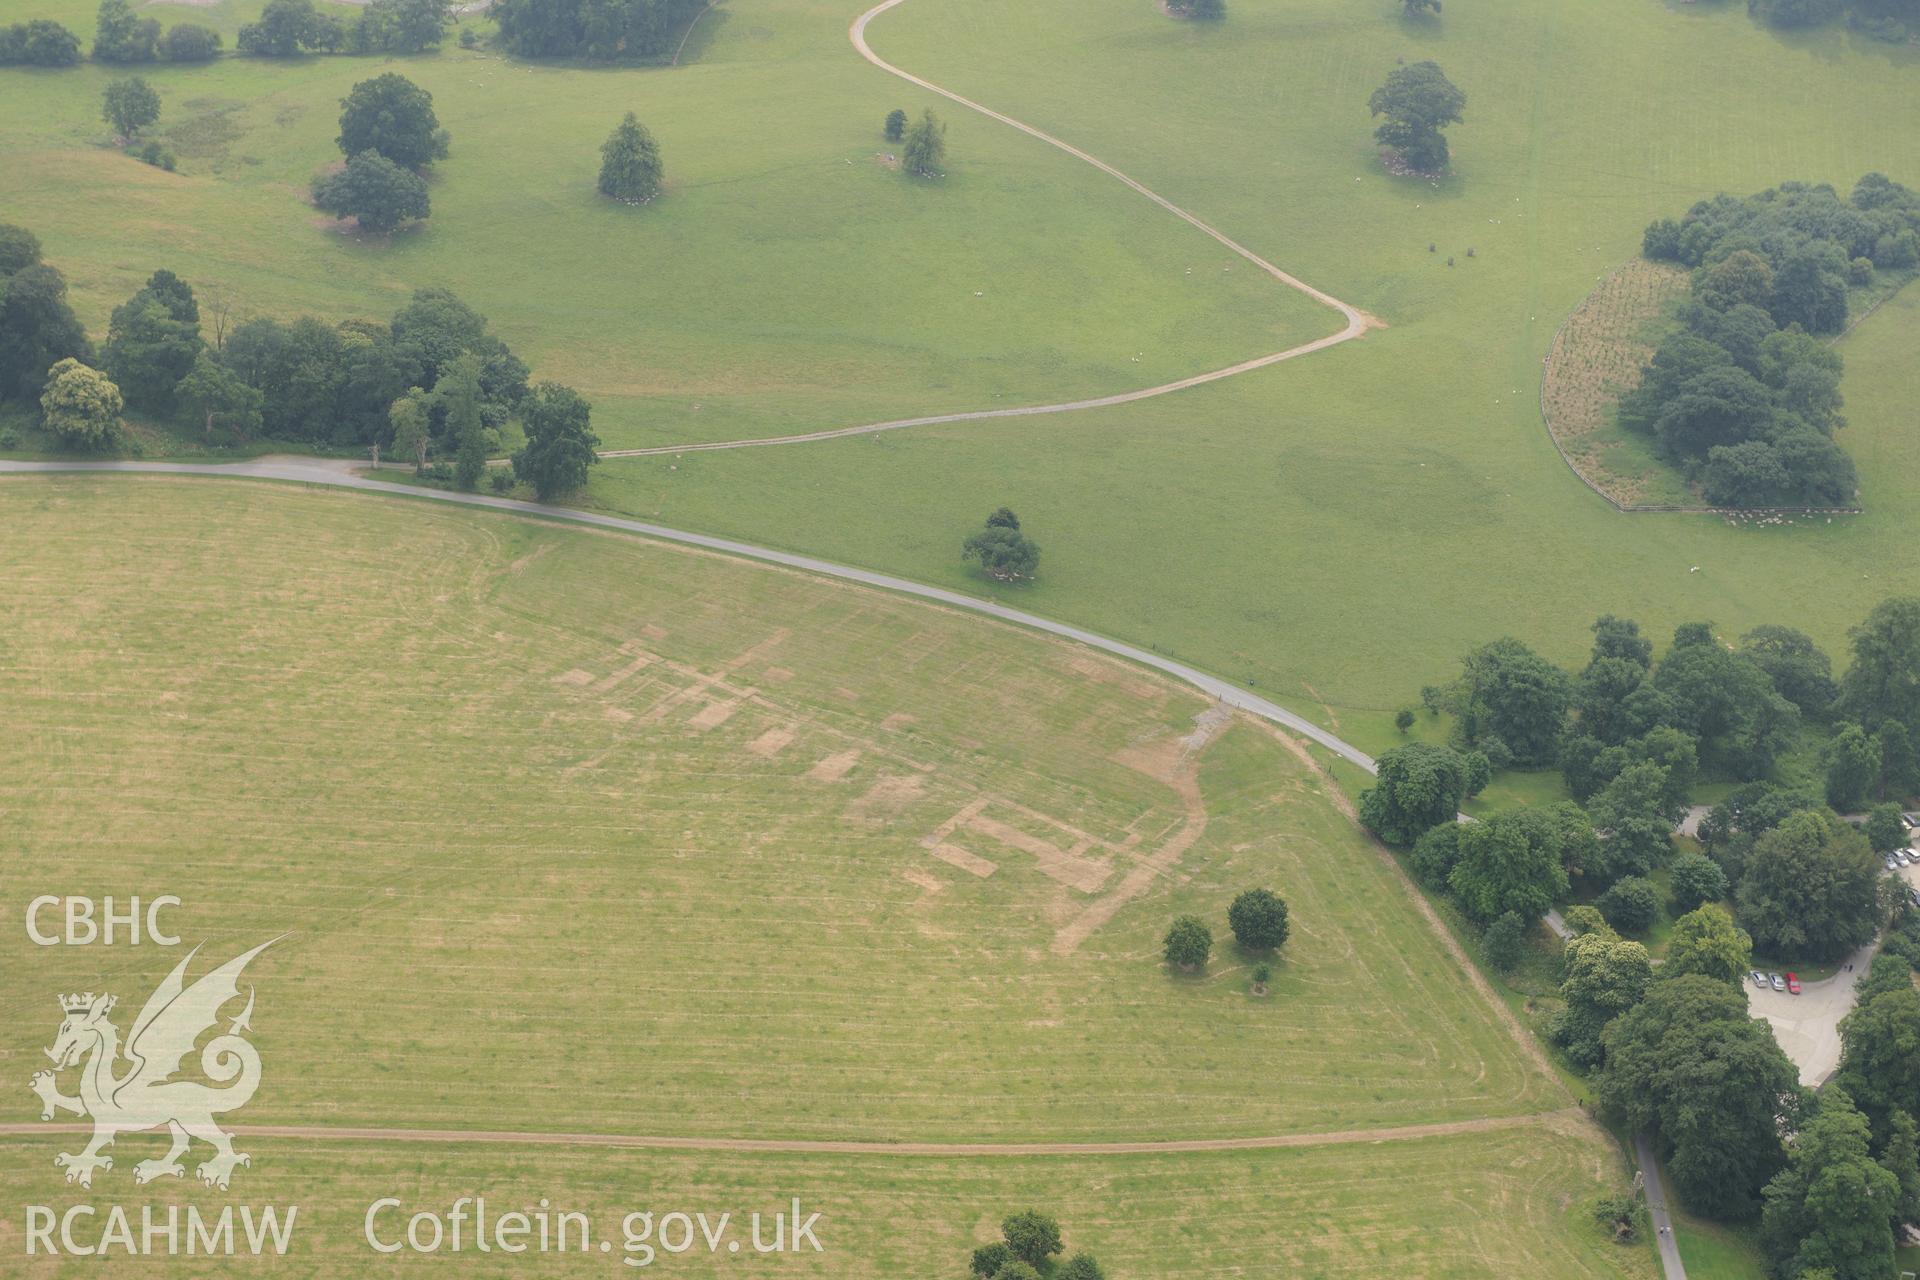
point(1358, 321)
point(801, 1146)
point(339, 474)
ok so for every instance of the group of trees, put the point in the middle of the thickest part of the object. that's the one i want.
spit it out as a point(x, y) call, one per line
point(925, 140)
point(1001, 549)
point(122, 38)
point(1896, 21)
point(39, 43)
point(433, 380)
point(1027, 1242)
point(1418, 101)
point(1260, 925)
point(287, 28)
point(389, 134)
point(1740, 394)
point(37, 326)
point(1631, 735)
point(606, 30)
point(1674, 1051)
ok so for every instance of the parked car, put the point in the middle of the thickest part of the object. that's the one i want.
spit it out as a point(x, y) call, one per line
point(1892, 864)
point(1779, 983)
point(1793, 983)
point(1759, 978)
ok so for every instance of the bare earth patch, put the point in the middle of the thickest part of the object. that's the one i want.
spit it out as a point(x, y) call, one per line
point(1596, 358)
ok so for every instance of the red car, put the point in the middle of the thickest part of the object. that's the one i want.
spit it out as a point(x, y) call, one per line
point(1793, 983)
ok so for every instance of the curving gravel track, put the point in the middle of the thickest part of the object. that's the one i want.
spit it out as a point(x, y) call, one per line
point(1358, 321)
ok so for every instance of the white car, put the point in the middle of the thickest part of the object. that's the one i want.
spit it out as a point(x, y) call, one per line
point(1779, 983)
point(1759, 978)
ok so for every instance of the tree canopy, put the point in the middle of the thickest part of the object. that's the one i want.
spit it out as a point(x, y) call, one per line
point(606, 30)
point(375, 192)
point(630, 168)
point(925, 150)
point(1689, 1063)
point(1418, 101)
point(393, 116)
point(129, 105)
point(1418, 786)
point(81, 405)
point(1811, 888)
point(560, 443)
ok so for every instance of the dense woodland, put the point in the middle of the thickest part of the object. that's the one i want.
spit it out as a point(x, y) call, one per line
point(1744, 393)
point(1673, 1049)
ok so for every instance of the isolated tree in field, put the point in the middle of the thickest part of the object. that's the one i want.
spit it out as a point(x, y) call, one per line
point(118, 36)
point(1707, 941)
point(926, 146)
point(81, 405)
point(1033, 1236)
point(1188, 944)
point(1258, 919)
point(630, 163)
point(1696, 879)
point(896, 126)
point(1403, 719)
point(1006, 554)
point(412, 427)
point(1832, 1207)
point(1081, 1266)
point(1505, 940)
point(375, 192)
point(560, 443)
point(394, 116)
point(1418, 101)
point(129, 106)
point(1419, 786)
point(1419, 8)
point(214, 394)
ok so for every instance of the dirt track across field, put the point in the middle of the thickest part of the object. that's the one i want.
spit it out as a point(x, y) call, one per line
point(1358, 321)
point(778, 1146)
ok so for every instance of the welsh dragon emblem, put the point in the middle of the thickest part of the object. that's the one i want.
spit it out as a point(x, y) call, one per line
point(144, 1095)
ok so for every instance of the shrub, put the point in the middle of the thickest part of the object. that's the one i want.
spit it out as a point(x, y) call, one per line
point(1189, 942)
point(1258, 919)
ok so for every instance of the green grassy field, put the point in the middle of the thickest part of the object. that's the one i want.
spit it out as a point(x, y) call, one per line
point(1335, 530)
point(1466, 1207)
point(580, 832)
point(1339, 529)
point(788, 281)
